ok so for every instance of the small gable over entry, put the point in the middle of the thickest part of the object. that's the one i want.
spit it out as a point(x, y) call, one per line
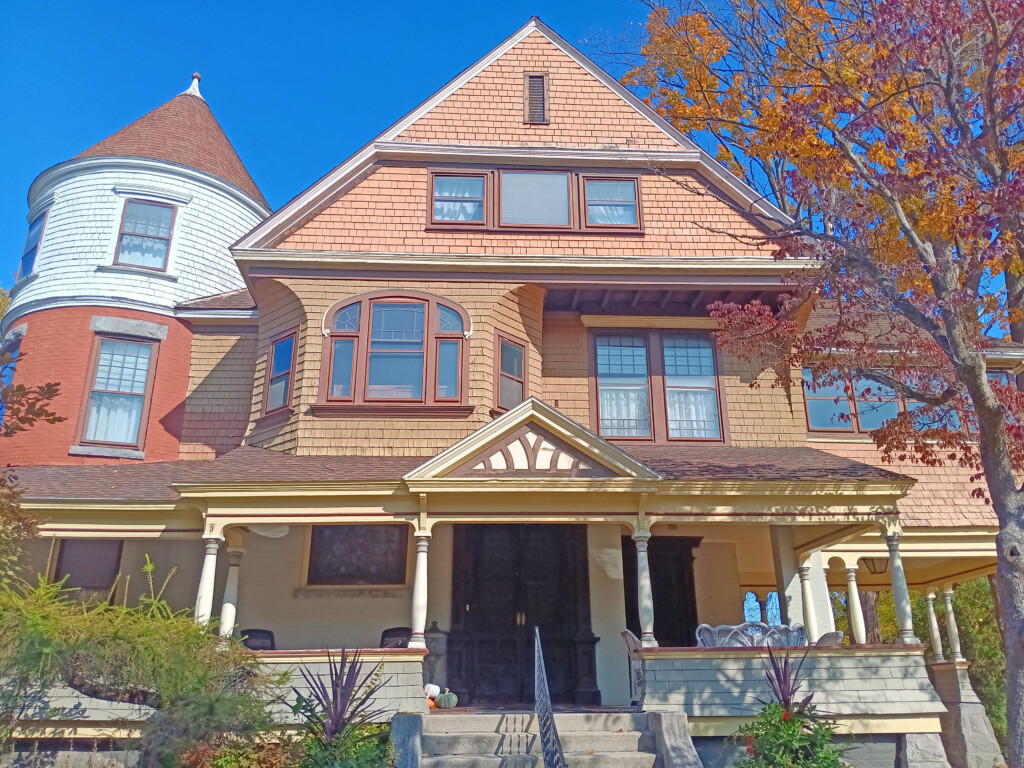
point(532, 440)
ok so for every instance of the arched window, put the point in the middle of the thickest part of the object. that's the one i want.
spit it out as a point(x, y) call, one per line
point(395, 348)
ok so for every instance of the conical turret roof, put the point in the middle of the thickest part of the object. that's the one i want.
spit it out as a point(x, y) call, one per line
point(184, 131)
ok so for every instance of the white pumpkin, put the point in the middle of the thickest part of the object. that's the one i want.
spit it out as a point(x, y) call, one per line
point(431, 690)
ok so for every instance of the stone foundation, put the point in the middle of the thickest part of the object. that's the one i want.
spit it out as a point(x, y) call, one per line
point(966, 731)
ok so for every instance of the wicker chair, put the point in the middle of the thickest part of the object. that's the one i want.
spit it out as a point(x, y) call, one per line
point(396, 637)
point(258, 639)
point(752, 634)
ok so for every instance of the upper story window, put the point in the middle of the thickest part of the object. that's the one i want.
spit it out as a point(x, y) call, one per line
point(121, 387)
point(657, 386)
point(32, 241)
point(535, 98)
point(280, 369)
point(402, 348)
point(511, 373)
point(534, 199)
point(145, 236)
point(863, 405)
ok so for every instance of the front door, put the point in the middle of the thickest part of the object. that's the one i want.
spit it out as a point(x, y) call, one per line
point(506, 580)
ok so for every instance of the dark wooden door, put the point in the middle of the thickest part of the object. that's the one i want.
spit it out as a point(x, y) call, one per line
point(672, 585)
point(506, 580)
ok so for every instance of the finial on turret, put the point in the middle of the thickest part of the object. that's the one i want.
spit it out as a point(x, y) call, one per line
point(194, 88)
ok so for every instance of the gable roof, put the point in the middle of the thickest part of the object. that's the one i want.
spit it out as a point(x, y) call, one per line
point(183, 131)
point(388, 144)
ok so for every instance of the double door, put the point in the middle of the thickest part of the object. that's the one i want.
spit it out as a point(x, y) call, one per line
point(506, 580)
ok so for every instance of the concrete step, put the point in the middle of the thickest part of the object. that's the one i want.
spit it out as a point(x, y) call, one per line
point(529, 743)
point(516, 722)
point(573, 759)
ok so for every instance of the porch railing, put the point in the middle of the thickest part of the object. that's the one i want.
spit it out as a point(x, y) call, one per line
point(550, 744)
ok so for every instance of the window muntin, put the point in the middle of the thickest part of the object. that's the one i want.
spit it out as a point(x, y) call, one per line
point(279, 379)
point(622, 386)
point(91, 564)
point(364, 554)
point(459, 198)
point(145, 236)
point(118, 398)
point(535, 199)
point(31, 249)
point(511, 373)
point(610, 202)
point(395, 348)
point(691, 394)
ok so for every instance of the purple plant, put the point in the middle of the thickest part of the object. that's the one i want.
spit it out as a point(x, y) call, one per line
point(340, 703)
point(784, 682)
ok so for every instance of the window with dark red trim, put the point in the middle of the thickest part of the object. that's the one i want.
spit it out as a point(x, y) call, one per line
point(145, 237)
point(658, 386)
point(121, 385)
point(395, 348)
point(511, 365)
point(280, 373)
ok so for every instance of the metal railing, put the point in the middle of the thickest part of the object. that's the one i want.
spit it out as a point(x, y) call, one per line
point(549, 742)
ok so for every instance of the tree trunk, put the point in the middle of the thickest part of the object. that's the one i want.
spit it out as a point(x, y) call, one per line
point(993, 588)
point(869, 605)
point(1010, 588)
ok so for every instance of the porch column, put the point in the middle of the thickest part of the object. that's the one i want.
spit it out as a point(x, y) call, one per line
point(955, 654)
point(419, 592)
point(229, 608)
point(645, 593)
point(900, 590)
point(207, 577)
point(807, 597)
point(854, 609)
point(933, 627)
point(763, 605)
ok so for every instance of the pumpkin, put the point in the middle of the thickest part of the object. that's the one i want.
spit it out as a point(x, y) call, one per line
point(431, 690)
point(446, 700)
point(431, 704)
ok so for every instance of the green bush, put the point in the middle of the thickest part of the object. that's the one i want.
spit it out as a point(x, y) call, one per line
point(365, 746)
point(778, 738)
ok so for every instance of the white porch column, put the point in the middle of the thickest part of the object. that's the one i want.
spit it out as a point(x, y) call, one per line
point(229, 608)
point(807, 597)
point(955, 654)
point(933, 627)
point(207, 577)
point(419, 591)
point(854, 609)
point(900, 590)
point(645, 592)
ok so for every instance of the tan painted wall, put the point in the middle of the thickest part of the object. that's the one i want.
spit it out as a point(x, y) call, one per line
point(489, 108)
point(608, 612)
point(716, 577)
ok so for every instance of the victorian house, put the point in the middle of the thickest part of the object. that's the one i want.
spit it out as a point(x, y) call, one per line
point(462, 386)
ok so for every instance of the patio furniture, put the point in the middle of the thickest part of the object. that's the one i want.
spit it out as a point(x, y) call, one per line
point(830, 638)
point(258, 639)
point(637, 672)
point(752, 634)
point(396, 637)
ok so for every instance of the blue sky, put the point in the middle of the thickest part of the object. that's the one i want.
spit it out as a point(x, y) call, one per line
point(297, 86)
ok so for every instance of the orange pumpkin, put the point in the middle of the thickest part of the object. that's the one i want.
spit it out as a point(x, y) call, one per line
point(431, 704)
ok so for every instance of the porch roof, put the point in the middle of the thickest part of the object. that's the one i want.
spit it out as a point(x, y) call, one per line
point(155, 481)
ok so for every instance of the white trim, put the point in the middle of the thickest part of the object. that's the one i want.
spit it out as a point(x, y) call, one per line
point(40, 206)
point(563, 155)
point(214, 315)
point(152, 193)
point(100, 302)
point(325, 189)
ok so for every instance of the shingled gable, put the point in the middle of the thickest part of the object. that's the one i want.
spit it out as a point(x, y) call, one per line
point(431, 131)
point(531, 440)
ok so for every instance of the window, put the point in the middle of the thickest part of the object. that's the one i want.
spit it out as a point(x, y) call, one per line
point(395, 348)
point(89, 563)
point(511, 373)
point(534, 198)
point(535, 98)
point(32, 241)
point(459, 198)
point(610, 202)
point(145, 235)
point(357, 554)
point(658, 386)
point(279, 374)
point(828, 406)
point(8, 362)
point(119, 397)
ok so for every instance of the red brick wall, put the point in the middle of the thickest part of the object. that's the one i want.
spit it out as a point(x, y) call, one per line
point(57, 347)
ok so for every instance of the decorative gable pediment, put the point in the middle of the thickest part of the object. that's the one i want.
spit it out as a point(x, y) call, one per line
point(532, 440)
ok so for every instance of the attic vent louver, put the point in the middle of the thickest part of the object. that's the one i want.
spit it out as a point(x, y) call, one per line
point(536, 98)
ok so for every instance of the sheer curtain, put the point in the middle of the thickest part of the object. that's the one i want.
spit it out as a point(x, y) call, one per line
point(458, 198)
point(692, 413)
point(625, 411)
point(622, 384)
point(119, 392)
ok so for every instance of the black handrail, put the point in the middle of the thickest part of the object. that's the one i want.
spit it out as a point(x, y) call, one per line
point(549, 742)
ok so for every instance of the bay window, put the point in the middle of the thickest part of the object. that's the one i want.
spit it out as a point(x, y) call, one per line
point(121, 385)
point(394, 348)
point(658, 386)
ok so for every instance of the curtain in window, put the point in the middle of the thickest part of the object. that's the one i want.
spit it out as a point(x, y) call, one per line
point(690, 394)
point(623, 399)
point(692, 413)
point(114, 418)
point(115, 405)
point(611, 202)
point(147, 229)
point(458, 198)
point(541, 199)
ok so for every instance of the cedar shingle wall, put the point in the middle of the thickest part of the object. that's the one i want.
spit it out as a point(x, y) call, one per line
point(582, 111)
point(219, 398)
point(387, 211)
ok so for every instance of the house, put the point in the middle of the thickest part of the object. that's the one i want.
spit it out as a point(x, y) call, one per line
point(462, 386)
